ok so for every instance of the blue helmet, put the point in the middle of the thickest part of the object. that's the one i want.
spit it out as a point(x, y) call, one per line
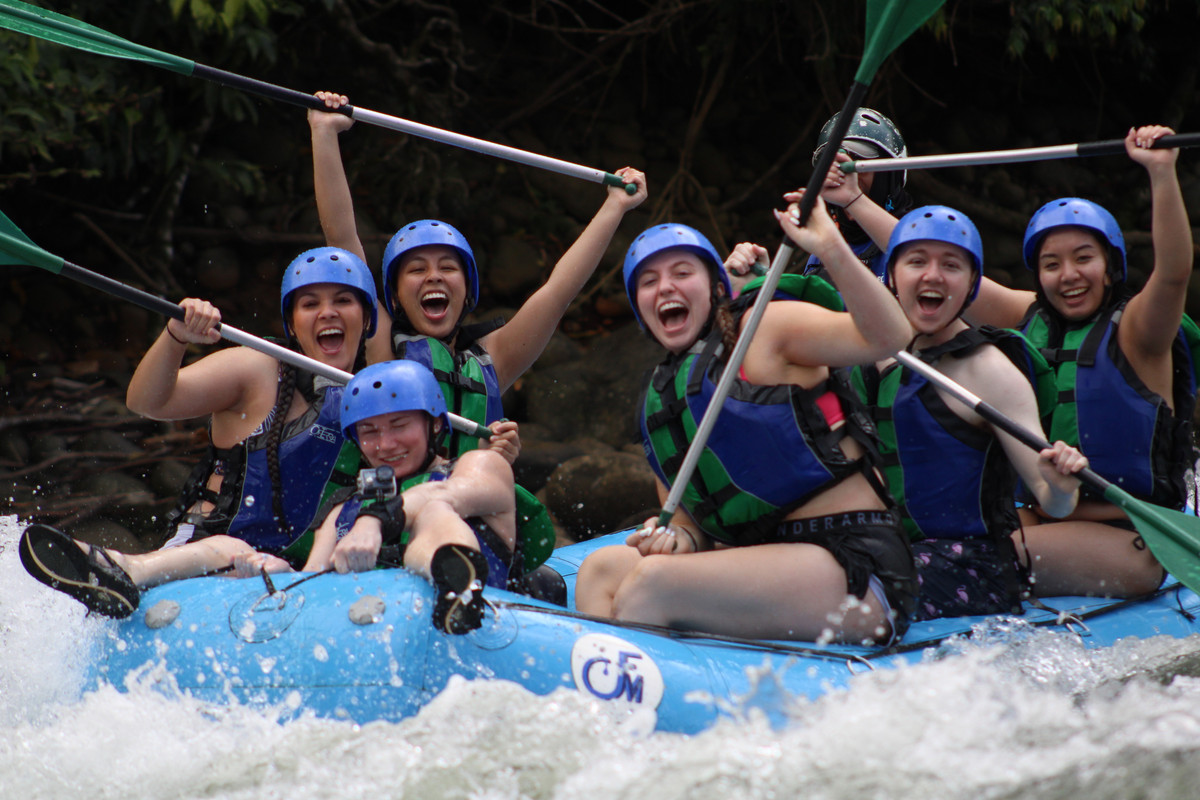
point(388, 387)
point(1079, 213)
point(938, 224)
point(670, 236)
point(422, 233)
point(329, 265)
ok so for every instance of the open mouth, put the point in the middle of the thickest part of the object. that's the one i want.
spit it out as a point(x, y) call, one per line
point(672, 315)
point(930, 301)
point(331, 339)
point(435, 304)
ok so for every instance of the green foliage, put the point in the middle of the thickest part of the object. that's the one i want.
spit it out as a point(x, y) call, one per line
point(1046, 23)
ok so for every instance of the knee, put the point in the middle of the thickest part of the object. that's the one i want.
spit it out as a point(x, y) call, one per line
point(640, 594)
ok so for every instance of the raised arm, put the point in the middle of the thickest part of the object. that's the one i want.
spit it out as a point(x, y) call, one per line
point(335, 205)
point(518, 344)
point(808, 335)
point(160, 389)
point(842, 189)
point(1152, 317)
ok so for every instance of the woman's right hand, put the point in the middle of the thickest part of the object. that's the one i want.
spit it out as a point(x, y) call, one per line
point(818, 234)
point(199, 325)
point(325, 119)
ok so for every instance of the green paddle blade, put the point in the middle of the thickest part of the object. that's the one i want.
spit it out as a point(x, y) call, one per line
point(1172, 536)
point(17, 249)
point(43, 24)
point(890, 22)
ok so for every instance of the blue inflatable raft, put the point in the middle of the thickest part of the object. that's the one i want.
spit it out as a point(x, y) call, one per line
point(361, 647)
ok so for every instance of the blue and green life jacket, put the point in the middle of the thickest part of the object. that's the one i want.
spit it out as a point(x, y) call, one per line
point(1129, 434)
point(771, 449)
point(535, 531)
point(950, 479)
point(467, 379)
point(315, 460)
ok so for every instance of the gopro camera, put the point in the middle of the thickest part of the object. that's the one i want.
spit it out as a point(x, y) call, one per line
point(378, 483)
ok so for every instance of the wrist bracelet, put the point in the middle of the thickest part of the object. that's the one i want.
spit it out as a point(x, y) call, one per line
point(855, 200)
point(173, 336)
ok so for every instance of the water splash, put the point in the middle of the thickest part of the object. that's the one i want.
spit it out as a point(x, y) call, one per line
point(1014, 712)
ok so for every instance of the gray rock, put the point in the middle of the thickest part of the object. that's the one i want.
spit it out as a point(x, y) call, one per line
point(595, 494)
point(108, 534)
point(110, 484)
point(106, 440)
point(539, 460)
point(594, 396)
point(168, 477)
point(516, 267)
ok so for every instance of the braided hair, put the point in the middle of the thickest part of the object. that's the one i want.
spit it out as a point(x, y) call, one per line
point(278, 417)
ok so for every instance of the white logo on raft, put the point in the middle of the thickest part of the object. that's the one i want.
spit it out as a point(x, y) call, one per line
point(323, 433)
point(612, 669)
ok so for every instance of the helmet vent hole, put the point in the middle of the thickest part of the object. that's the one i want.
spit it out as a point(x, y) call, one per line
point(377, 385)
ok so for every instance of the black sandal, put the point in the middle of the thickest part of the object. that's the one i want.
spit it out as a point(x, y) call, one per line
point(459, 574)
point(92, 578)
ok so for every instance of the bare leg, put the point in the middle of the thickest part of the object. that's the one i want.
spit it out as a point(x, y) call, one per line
point(438, 524)
point(1087, 558)
point(481, 485)
point(783, 591)
point(176, 563)
point(600, 576)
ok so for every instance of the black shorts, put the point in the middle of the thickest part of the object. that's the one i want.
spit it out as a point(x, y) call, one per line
point(864, 543)
point(965, 577)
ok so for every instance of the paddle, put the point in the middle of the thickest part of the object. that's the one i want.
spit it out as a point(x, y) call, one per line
point(1108, 147)
point(53, 27)
point(17, 249)
point(889, 22)
point(1172, 536)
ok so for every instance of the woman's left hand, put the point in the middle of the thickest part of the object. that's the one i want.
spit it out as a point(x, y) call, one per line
point(1059, 463)
point(654, 539)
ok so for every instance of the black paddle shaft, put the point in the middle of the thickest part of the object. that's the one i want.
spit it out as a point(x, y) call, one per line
point(1112, 147)
point(267, 90)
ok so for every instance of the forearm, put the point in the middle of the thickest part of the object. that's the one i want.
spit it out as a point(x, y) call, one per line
point(1170, 228)
point(335, 206)
point(878, 317)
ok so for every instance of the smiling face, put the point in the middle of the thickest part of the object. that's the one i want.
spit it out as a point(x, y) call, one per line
point(674, 298)
point(399, 440)
point(328, 320)
point(1072, 266)
point(933, 280)
point(431, 289)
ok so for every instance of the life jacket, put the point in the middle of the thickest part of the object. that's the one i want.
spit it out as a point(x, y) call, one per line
point(950, 479)
point(771, 449)
point(1128, 433)
point(314, 460)
point(467, 379)
point(868, 253)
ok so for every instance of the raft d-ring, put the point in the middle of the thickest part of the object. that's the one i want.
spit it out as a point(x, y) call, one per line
point(1072, 622)
point(852, 660)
